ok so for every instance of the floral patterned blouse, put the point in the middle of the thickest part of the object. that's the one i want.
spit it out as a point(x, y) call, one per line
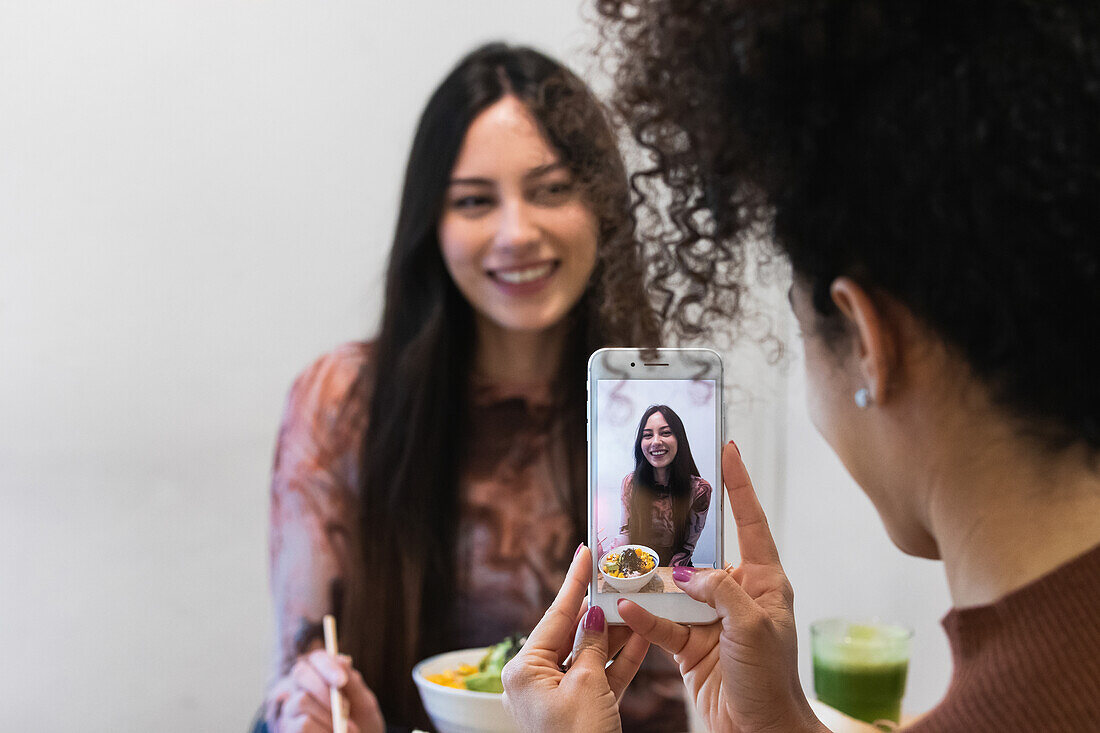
point(515, 533)
point(663, 528)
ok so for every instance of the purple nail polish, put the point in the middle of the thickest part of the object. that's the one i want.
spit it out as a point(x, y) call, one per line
point(577, 551)
point(682, 573)
point(594, 620)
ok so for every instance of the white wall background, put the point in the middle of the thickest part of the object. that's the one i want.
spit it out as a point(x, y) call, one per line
point(620, 405)
point(196, 198)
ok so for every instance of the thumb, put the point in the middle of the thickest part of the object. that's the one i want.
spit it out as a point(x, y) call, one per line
point(590, 644)
point(717, 589)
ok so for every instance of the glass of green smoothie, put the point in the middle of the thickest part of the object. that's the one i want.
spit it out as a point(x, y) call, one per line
point(860, 668)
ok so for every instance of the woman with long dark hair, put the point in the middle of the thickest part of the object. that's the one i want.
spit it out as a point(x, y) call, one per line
point(665, 500)
point(429, 486)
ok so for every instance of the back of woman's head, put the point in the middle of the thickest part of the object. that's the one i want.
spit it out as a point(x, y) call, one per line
point(944, 154)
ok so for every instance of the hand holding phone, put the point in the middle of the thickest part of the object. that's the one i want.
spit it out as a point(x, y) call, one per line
point(755, 679)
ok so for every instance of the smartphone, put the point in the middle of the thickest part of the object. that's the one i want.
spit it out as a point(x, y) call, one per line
point(655, 498)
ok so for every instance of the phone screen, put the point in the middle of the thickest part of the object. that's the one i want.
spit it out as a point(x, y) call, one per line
point(655, 481)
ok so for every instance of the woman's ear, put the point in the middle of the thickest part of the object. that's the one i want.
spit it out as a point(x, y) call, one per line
point(876, 338)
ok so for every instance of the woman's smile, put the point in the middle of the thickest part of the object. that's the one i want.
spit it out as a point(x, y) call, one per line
point(659, 456)
point(519, 280)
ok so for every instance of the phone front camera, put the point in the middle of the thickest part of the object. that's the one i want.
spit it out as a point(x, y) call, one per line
point(631, 363)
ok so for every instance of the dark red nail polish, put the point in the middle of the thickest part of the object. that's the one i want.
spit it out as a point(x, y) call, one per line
point(682, 573)
point(594, 620)
point(577, 551)
point(736, 448)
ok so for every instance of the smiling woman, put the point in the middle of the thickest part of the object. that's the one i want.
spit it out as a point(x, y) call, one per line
point(429, 485)
point(665, 500)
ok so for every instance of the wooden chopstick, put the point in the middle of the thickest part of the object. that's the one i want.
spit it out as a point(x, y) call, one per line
point(339, 722)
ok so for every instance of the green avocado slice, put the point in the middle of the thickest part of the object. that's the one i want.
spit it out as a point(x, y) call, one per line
point(485, 682)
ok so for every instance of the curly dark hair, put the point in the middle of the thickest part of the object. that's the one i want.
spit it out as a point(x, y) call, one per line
point(945, 155)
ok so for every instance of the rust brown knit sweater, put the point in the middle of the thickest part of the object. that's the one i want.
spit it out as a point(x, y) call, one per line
point(1029, 662)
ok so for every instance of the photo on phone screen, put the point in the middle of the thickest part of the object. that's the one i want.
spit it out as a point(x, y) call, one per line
point(654, 442)
point(655, 487)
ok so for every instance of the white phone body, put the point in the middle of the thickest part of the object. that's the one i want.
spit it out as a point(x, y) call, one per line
point(622, 385)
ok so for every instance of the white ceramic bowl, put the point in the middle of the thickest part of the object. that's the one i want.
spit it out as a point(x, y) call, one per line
point(629, 585)
point(460, 711)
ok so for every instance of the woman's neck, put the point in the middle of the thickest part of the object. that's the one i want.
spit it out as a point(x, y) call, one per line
point(506, 356)
point(1007, 514)
point(660, 476)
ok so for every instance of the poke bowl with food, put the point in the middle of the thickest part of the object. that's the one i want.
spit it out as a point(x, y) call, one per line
point(461, 690)
point(628, 568)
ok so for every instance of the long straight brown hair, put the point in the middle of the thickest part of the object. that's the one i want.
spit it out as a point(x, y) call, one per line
point(396, 607)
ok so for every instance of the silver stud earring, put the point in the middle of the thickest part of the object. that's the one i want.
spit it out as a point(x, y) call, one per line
point(863, 398)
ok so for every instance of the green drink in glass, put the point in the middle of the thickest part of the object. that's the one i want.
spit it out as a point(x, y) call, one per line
point(860, 668)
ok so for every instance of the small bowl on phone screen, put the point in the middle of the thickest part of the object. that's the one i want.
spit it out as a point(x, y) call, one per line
point(635, 573)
